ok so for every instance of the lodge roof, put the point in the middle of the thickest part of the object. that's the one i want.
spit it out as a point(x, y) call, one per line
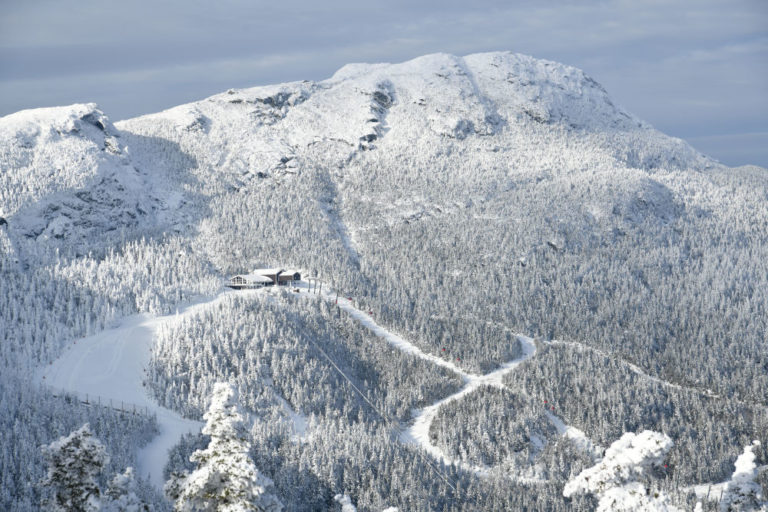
point(266, 271)
point(255, 278)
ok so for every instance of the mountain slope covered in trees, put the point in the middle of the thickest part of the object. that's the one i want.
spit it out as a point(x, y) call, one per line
point(460, 200)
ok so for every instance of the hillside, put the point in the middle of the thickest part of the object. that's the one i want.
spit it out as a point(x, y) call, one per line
point(461, 201)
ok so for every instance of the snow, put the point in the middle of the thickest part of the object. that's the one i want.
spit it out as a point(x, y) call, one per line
point(255, 278)
point(614, 479)
point(157, 163)
point(742, 486)
point(225, 477)
point(266, 272)
point(74, 463)
point(578, 436)
point(632, 497)
point(393, 339)
point(345, 502)
point(625, 460)
point(235, 135)
point(299, 421)
point(418, 432)
point(634, 368)
point(111, 365)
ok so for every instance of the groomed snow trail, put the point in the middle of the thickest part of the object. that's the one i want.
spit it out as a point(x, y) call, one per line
point(393, 339)
point(635, 369)
point(112, 365)
point(418, 432)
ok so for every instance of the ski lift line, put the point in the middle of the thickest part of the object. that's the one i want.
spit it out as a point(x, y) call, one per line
point(444, 478)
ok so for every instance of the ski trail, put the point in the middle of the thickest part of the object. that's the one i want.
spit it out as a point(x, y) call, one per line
point(636, 369)
point(112, 365)
point(418, 432)
point(393, 339)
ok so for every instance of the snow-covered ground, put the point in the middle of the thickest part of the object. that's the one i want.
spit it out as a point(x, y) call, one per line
point(578, 436)
point(418, 432)
point(111, 365)
point(393, 339)
point(451, 143)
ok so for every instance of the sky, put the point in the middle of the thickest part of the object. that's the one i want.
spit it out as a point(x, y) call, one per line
point(695, 69)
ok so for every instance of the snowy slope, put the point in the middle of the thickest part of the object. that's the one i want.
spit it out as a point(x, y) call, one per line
point(445, 132)
point(444, 128)
point(514, 191)
point(496, 136)
point(421, 104)
point(112, 366)
point(69, 181)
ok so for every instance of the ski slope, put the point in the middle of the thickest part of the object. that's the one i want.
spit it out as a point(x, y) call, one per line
point(393, 339)
point(418, 432)
point(112, 365)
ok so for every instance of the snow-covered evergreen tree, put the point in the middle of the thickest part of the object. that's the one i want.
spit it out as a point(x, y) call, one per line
point(743, 492)
point(614, 480)
point(225, 478)
point(345, 502)
point(74, 463)
point(121, 494)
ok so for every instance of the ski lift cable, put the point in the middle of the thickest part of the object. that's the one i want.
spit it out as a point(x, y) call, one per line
point(444, 478)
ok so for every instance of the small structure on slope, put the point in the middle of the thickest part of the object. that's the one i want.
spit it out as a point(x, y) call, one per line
point(242, 281)
point(264, 277)
point(287, 277)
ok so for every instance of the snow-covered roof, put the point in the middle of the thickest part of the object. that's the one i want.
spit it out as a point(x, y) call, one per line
point(254, 278)
point(266, 271)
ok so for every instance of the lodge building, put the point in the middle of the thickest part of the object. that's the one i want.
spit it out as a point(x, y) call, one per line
point(264, 277)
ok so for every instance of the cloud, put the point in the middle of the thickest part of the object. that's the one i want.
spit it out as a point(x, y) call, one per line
point(690, 67)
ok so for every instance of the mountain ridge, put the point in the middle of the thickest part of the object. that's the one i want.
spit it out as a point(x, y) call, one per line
point(457, 202)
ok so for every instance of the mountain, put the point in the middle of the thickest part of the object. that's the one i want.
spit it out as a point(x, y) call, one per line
point(532, 115)
point(460, 201)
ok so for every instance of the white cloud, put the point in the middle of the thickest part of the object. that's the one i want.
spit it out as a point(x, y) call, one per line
point(690, 67)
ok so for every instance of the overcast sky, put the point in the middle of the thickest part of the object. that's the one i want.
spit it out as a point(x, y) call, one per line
point(695, 69)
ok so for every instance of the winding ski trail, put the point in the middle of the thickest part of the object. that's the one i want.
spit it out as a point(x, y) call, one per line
point(112, 365)
point(393, 339)
point(418, 432)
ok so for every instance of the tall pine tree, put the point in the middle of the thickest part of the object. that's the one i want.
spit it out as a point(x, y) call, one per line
point(225, 479)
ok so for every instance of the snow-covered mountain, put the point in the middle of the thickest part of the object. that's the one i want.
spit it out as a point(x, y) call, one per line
point(459, 201)
point(453, 129)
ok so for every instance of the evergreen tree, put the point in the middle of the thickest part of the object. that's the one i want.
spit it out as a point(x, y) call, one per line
point(225, 478)
point(743, 492)
point(74, 462)
point(121, 494)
